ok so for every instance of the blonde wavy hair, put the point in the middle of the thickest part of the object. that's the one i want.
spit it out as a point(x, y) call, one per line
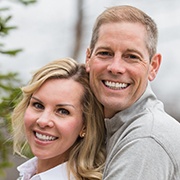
point(87, 156)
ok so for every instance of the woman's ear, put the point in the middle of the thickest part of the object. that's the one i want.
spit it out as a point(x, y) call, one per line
point(154, 66)
point(82, 132)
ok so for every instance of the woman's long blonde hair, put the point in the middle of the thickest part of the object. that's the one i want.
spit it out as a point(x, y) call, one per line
point(87, 156)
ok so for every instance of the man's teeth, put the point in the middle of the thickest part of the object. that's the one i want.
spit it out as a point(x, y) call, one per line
point(43, 137)
point(115, 85)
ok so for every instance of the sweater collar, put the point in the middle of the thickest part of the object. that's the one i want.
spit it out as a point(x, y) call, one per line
point(123, 118)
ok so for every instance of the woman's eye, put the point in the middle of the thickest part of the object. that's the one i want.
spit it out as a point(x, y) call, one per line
point(63, 111)
point(38, 105)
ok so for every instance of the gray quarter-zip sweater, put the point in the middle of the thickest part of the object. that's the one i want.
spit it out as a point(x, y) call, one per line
point(143, 142)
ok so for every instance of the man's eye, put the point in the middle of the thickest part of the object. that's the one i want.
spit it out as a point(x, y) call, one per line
point(38, 105)
point(104, 53)
point(132, 57)
point(63, 111)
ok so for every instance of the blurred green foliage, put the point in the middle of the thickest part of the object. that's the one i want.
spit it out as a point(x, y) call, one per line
point(9, 87)
point(9, 92)
point(5, 29)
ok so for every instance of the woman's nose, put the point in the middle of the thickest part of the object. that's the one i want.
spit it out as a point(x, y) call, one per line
point(45, 120)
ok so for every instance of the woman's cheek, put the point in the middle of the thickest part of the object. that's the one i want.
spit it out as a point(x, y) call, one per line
point(29, 118)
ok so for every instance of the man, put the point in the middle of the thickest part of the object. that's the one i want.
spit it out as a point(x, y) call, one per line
point(143, 141)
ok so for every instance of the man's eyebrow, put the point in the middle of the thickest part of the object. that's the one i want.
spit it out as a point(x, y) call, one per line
point(134, 50)
point(103, 47)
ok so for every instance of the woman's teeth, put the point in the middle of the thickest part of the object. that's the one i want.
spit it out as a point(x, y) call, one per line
point(43, 137)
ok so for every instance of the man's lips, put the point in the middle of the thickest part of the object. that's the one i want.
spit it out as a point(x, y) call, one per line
point(115, 85)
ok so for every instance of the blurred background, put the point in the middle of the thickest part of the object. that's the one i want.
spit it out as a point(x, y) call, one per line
point(48, 30)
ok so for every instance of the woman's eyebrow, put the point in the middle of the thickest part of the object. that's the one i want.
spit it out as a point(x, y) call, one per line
point(64, 104)
point(35, 98)
point(58, 105)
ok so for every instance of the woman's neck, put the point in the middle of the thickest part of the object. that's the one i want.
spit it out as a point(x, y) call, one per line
point(46, 164)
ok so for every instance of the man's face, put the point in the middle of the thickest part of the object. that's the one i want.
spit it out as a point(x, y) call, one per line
point(119, 66)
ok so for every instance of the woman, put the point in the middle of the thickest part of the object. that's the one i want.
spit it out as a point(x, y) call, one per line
point(63, 124)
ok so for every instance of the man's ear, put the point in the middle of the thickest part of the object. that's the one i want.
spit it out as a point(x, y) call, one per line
point(154, 66)
point(88, 55)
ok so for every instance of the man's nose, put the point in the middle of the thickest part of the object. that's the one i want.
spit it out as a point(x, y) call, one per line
point(116, 65)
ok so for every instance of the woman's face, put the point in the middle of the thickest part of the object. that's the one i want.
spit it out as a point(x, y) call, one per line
point(53, 119)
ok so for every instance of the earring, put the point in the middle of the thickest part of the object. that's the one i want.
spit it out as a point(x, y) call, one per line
point(82, 134)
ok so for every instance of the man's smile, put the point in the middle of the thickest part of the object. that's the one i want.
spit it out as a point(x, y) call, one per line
point(115, 85)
